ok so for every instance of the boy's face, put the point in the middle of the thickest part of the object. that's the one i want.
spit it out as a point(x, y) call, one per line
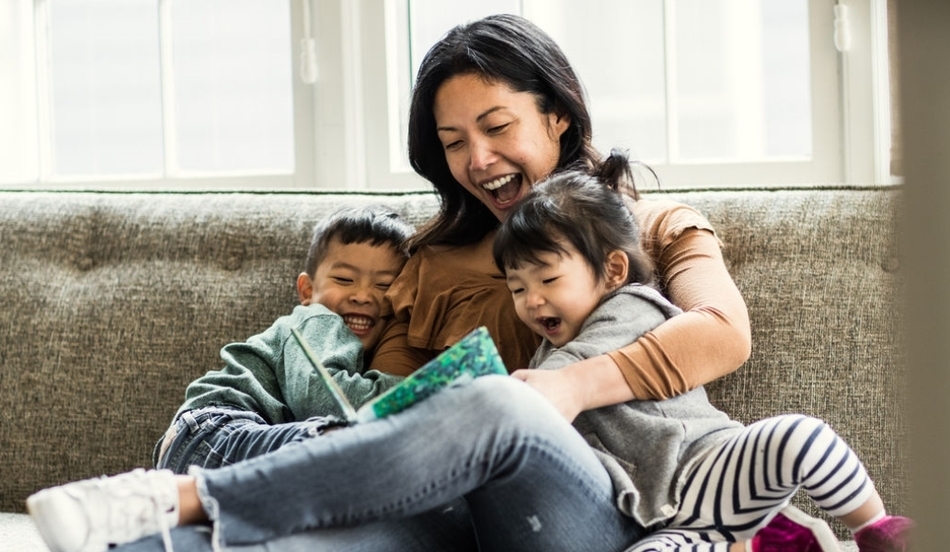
point(352, 281)
point(554, 298)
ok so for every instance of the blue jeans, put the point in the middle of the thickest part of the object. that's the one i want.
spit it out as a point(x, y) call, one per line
point(214, 437)
point(528, 479)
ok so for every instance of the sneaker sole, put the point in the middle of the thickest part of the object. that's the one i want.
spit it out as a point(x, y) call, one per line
point(823, 534)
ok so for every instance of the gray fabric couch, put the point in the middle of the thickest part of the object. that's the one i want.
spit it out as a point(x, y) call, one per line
point(110, 303)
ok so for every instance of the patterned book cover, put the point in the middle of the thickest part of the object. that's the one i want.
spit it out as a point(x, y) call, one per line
point(473, 356)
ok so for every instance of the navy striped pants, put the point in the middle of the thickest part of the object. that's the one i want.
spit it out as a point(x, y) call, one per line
point(740, 484)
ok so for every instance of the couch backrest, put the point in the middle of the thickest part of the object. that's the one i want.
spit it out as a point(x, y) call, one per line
point(111, 303)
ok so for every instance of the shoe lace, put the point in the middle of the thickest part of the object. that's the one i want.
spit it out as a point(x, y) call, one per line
point(142, 513)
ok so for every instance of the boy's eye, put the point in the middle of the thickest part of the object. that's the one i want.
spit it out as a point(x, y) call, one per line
point(516, 291)
point(341, 279)
point(383, 285)
point(549, 280)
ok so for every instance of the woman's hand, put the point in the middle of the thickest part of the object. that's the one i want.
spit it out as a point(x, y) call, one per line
point(583, 385)
point(557, 387)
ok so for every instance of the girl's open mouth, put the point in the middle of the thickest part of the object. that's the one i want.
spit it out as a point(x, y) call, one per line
point(550, 324)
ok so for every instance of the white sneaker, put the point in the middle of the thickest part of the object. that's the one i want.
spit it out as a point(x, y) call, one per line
point(91, 515)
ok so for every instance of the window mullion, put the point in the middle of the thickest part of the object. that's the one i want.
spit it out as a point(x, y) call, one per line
point(166, 64)
point(305, 153)
point(669, 63)
point(44, 115)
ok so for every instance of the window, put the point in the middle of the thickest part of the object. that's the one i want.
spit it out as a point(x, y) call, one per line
point(154, 90)
point(716, 92)
point(203, 94)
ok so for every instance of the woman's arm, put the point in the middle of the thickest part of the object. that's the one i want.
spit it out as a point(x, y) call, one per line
point(573, 384)
point(710, 339)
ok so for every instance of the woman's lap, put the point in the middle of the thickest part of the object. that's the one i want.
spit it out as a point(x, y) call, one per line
point(526, 474)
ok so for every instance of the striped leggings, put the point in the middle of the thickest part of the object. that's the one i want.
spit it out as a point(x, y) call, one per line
point(741, 483)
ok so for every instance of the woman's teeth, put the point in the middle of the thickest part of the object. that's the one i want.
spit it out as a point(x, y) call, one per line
point(498, 182)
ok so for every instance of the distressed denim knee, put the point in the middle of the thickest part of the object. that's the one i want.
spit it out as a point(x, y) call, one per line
point(507, 403)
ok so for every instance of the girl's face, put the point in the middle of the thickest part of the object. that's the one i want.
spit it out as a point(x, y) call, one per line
point(555, 297)
point(497, 141)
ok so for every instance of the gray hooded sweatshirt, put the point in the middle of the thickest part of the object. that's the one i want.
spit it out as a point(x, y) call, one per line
point(646, 446)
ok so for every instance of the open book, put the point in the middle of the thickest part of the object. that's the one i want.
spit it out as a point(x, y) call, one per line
point(473, 356)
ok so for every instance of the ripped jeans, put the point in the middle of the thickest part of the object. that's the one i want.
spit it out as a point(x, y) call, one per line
point(214, 437)
point(488, 466)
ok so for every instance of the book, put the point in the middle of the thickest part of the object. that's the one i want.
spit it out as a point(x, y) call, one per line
point(474, 355)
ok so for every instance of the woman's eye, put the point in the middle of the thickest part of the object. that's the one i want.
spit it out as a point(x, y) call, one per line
point(453, 145)
point(498, 128)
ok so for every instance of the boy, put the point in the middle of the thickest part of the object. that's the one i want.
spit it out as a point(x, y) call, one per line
point(268, 394)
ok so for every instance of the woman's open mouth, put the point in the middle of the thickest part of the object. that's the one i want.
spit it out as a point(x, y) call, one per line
point(504, 190)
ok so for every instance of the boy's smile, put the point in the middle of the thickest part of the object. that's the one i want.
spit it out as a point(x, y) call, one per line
point(352, 280)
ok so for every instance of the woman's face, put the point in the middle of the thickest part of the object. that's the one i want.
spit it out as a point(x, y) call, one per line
point(497, 142)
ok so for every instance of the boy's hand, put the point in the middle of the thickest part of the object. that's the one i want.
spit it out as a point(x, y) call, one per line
point(557, 387)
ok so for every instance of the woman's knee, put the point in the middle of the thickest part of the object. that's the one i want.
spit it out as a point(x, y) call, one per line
point(509, 397)
point(505, 403)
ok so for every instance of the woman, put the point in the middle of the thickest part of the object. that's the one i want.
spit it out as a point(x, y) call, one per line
point(492, 464)
point(496, 107)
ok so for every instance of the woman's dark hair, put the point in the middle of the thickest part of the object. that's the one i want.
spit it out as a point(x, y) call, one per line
point(504, 49)
point(372, 224)
point(586, 210)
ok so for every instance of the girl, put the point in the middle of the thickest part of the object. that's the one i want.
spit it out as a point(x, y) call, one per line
point(571, 254)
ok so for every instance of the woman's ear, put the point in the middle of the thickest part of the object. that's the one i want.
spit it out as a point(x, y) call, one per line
point(616, 268)
point(304, 288)
point(558, 123)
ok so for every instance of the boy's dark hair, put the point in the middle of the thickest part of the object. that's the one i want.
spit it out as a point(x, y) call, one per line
point(372, 224)
point(587, 210)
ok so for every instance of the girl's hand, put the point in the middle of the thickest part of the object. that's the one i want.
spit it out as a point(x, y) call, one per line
point(557, 387)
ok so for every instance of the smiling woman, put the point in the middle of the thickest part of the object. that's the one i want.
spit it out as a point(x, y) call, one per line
point(497, 141)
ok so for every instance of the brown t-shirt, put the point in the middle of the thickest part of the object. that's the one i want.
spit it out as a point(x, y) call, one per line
point(445, 292)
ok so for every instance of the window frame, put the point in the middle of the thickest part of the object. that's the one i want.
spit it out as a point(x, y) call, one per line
point(850, 108)
point(348, 134)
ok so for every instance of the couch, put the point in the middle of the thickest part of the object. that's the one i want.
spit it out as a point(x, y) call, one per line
point(111, 303)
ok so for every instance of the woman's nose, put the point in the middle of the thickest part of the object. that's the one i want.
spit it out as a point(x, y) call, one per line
point(480, 155)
